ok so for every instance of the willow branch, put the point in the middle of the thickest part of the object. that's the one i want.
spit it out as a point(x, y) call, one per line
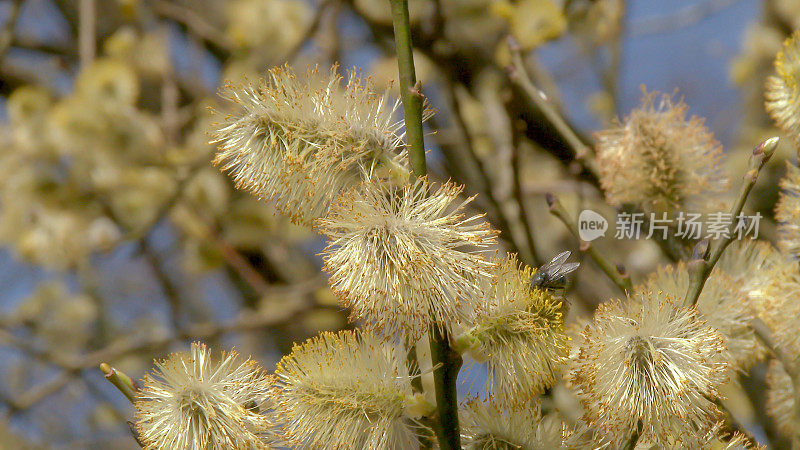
point(614, 274)
point(447, 360)
point(701, 267)
point(519, 76)
point(409, 89)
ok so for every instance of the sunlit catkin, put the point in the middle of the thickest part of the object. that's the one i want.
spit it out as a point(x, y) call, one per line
point(520, 334)
point(749, 263)
point(722, 305)
point(776, 304)
point(659, 160)
point(302, 140)
point(649, 361)
point(492, 426)
point(192, 402)
point(345, 390)
point(403, 257)
point(783, 89)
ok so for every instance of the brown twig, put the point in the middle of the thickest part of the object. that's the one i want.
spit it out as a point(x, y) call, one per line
point(309, 32)
point(87, 22)
point(194, 22)
point(247, 321)
point(7, 33)
point(527, 226)
point(519, 76)
point(470, 156)
point(556, 209)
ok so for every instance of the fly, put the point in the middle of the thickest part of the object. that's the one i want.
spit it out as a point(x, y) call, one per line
point(553, 275)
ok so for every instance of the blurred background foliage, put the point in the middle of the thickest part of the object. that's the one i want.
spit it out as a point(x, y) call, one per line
point(120, 242)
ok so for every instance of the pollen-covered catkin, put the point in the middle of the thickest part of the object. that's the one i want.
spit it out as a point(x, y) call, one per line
point(787, 212)
point(302, 140)
point(783, 89)
point(404, 257)
point(520, 334)
point(193, 402)
point(724, 308)
point(491, 425)
point(660, 161)
point(653, 362)
point(345, 390)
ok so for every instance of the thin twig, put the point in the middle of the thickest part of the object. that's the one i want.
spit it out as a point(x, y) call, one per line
point(121, 381)
point(611, 73)
point(247, 321)
point(500, 130)
point(86, 32)
point(168, 287)
point(523, 208)
point(519, 76)
point(701, 267)
point(232, 257)
point(557, 209)
point(7, 34)
point(496, 212)
point(162, 211)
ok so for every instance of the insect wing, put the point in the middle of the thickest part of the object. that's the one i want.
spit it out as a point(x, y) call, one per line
point(557, 272)
point(559, 259)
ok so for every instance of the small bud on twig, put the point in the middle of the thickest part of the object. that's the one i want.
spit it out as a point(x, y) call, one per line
point(700, 251)
point(550, 198)
point(124, 383)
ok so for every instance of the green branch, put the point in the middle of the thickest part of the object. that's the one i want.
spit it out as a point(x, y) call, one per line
point(446, 361)
point(445, 377)
point(121, 381)
point(409, 89)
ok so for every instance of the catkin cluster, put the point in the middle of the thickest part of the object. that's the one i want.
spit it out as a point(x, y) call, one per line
point(408, 260)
